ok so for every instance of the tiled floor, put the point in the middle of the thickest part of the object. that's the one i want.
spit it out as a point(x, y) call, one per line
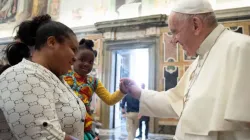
point(113, 135)
point(120, 133)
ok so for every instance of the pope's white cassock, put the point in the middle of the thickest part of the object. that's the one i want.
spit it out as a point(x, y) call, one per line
point(215, 89)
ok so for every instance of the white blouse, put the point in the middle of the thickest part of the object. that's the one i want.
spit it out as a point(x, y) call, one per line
point(36, 105)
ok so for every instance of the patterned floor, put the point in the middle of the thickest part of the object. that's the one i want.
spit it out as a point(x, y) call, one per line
point(121, 134)
point(116, 135)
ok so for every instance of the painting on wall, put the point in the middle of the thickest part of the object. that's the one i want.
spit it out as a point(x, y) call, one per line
point(128, 8)
point(82, 12)
point(171, 76)
point(163, 6)
point(170, 49)
point(8, 10)
point(19, 10)
point(39, 7)
point(53, 8)
point(14, 12)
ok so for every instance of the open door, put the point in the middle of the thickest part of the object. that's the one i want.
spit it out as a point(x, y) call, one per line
point(118, 71)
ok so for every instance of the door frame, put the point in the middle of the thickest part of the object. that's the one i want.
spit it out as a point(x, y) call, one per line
point(109, 49)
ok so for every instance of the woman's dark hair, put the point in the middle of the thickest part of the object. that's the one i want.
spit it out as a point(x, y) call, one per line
point(33, 34)
point(16, 51)
point(4, 67)
point(87, 44)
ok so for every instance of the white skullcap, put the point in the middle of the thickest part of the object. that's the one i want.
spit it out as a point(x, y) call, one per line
point(193, 7)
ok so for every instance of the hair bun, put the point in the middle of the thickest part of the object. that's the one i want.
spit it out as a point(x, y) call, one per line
point(41, 19)
point(16, 51)
point(27, 29)
point(89, 43)
point(82, 41)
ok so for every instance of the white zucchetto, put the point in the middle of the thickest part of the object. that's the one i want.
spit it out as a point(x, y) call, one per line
point(192, 7)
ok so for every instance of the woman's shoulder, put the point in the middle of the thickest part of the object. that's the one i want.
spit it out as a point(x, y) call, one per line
point(17, 70)
point(27, 70)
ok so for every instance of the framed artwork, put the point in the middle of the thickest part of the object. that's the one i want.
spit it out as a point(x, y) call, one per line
point(39, 7)
point(171, 76)
point(77, 13)
point(170, 49)
point(8, 10)
point(12, 12)
point(128, 8)
point(54, 8)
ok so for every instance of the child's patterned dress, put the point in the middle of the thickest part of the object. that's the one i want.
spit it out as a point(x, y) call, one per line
point(84, 88)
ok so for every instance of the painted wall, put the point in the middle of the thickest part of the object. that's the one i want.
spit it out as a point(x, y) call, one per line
point(75, 13)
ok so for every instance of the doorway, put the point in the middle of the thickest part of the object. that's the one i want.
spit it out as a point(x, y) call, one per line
point(130, 58)
point(133, 64)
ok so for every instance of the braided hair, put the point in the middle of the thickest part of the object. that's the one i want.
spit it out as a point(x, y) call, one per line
point(87, 44)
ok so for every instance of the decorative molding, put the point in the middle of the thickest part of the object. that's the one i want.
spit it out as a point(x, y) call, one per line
point(90, 29)
point(150, 23)
point(79, 31)
point(233, 14)
point(6, 40)
point(130, 44)
point(145, 21)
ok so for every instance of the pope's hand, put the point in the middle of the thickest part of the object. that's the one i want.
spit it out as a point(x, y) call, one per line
point(130, 87)
point(123, 88)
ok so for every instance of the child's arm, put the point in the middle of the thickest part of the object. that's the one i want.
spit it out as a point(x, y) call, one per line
point(106, 96)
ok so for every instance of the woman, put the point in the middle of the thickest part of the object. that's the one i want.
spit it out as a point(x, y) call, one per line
point(85, 85)
point(35, 103)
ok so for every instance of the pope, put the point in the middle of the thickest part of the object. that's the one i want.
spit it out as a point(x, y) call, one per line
point(212, 98)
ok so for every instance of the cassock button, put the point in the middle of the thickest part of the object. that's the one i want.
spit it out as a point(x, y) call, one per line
point(45, 124)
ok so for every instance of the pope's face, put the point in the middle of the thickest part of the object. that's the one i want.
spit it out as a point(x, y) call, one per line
point(182, 33)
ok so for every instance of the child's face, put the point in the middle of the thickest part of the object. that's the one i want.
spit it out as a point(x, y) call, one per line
point(84, 62)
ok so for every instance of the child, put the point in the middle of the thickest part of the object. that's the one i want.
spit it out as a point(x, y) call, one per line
point(85, 85)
